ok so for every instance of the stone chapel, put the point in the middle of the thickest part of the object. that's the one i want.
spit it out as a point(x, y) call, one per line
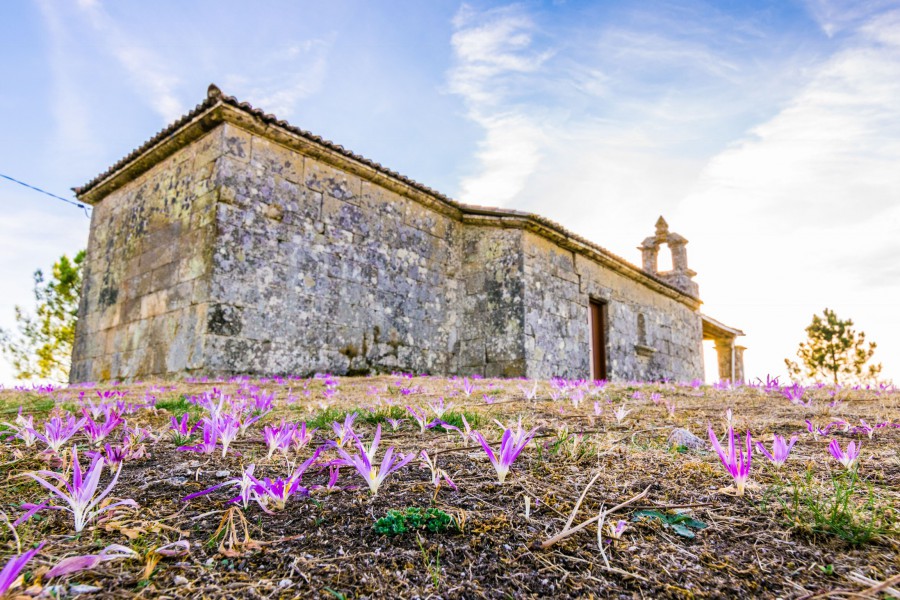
point(235, 243)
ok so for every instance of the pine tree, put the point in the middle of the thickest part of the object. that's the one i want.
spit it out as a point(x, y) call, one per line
point(42, 346)
point(835, 351)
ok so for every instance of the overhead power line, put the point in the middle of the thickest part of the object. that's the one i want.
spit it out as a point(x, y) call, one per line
point(80, 205)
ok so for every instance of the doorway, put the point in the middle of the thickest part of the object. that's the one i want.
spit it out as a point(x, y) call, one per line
point(597, 319)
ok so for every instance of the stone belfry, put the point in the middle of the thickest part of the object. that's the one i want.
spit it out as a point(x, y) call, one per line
point(680, 276)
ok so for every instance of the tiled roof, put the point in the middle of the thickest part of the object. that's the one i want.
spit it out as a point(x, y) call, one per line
point(215, 96)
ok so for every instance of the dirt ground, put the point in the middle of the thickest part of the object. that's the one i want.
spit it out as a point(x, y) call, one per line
point(808, 530)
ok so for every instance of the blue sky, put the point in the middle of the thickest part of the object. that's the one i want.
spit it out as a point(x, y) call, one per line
point(767, 133)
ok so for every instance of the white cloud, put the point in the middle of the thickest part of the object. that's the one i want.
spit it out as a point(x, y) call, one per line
point(152, 76)
point(810, 201)
point(71, 110)
point(492, 51)
point(836, 16)
point(280, 80)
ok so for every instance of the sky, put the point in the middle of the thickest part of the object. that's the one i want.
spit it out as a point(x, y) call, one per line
point(767, 133)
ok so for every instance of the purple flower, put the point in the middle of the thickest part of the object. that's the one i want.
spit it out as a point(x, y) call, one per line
point(363, 462)
point(795, 393)
point(438, 407)
point(394, 423)
point(780, 450)
point(97, 432)
point(467, 387)
point(511, 445)
point(245, 483)
point(14, 566)
point(58, 431)
point(24, 429)
point(80, 496)
point(419, 416)
point(343, 432)
point(529, 393)
point(849, 458)
point(278, 438)
point(181, 429)
point(615, 531)
point(437, 474)
point(75, 564)
point(208, 445)
point(227, 430)
point(735, 461)
point(275, 493)
point(302, 436)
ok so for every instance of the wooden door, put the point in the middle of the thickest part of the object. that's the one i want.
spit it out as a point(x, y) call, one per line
point(597, 319)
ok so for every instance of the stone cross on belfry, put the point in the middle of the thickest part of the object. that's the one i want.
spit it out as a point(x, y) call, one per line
point(680, 276)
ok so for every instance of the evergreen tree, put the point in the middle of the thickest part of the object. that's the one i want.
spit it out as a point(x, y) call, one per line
point(835, 351)
point(42, 346)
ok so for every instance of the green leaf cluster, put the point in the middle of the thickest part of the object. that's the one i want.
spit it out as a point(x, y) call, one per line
point(411, 519)
point(42, 346)
point(677, 522)
point(835, 351)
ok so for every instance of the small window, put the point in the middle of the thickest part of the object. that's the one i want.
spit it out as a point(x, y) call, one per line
point(641, 330)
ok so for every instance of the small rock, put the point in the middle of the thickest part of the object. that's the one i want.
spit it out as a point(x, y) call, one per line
point(177, 481)
point(193, 464)
point(222, 474)
point(285, 583)
point(210, 562)
point(683, 437)
point(81, 588)
point(181, 580)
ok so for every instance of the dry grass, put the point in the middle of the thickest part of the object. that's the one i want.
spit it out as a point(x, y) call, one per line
point(783, 538)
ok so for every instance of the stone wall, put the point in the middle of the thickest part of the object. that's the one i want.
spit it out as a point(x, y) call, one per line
point(237, 254)
point(144, 301)
point(493, 316)
point(316, 269)
point(558, 287)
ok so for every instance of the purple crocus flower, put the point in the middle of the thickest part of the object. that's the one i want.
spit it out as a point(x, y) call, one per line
point(529, 393)
point(735, 461)
point(23, 429)
point(96, 431)
point(58, 431)
point(80, 495)
point(511, 445)
point(615, 530)
point(278, 437)
point(275, 493)
point(245, 484)
point(343, 431)
point(363, 462)
point(208, 445)
point(115, 455)
point(467, 387)
point(794, 393)
point(302, 436)
point(437, 474)
point(14, 566)
point(849, 458)
point(419, 416)
point(780, 450)
point(76, 564)
point(227, 430)
point(181, 428)
point(394, 423)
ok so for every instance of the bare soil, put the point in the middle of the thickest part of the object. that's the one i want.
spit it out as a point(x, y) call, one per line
point(767, 543)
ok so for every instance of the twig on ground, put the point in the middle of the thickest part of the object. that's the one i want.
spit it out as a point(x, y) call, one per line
point(566, 532)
